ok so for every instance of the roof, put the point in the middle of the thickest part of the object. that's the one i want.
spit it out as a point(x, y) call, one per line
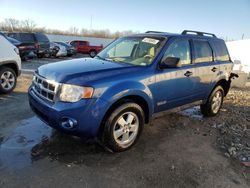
point(193, 34)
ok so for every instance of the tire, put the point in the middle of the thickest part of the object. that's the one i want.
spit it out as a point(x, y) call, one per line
point(131, 122)
point(8, 80)
point(40, 55)
point(92, 53)
point(214, 102)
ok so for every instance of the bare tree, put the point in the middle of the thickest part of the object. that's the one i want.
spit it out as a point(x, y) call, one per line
point(28, 25)
point(11, 25)
point(73, 30)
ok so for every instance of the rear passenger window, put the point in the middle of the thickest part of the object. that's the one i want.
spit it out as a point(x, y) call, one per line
point(221, 51)
point(202, 52)
point(179, 49)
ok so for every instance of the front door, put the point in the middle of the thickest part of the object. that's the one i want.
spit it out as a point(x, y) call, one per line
point(175, 86)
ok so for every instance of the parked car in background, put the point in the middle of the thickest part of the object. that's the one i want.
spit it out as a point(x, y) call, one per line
point(26, 50)
point(71, 50)
point(10, 65)
point(57, 50)
point(85, 48)
point(39, 40)
point(133, 79)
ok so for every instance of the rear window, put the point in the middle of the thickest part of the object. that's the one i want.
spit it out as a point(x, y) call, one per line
point(41, 38)
point(203, 52)
point(221, 50)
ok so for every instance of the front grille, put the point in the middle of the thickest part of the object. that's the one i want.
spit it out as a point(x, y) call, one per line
point(45, 88)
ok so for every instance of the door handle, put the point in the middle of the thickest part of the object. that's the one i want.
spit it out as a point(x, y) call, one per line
point(214, 69)
point(188, 73)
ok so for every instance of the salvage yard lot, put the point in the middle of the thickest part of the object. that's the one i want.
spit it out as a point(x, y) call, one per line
point(178, 150)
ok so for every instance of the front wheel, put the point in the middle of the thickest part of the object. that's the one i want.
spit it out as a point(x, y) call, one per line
point(214, 103)
point(123, 127)
point(7, 80)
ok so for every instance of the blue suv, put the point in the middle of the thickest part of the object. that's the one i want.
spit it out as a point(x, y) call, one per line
point(133, 79)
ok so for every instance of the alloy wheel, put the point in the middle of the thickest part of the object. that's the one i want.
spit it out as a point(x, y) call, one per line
point(7, 80)
point(126, 129)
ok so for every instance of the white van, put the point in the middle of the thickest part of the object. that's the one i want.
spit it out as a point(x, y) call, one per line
point(10, 65)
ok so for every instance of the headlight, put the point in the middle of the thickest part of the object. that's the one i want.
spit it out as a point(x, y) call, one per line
point(73, 93)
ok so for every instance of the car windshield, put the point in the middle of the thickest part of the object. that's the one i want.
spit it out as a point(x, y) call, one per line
point(137, 50)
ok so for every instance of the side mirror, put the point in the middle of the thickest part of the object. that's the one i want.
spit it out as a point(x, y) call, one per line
point(170, 62)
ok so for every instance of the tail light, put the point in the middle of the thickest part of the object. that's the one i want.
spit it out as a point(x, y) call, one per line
point(37, 45)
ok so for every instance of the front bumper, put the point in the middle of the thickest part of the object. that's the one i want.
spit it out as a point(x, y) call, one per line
point(88, 114)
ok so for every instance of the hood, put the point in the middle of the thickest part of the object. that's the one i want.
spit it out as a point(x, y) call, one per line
point(82, 70)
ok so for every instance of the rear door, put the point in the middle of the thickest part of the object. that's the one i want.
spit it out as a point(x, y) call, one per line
point(222, 56)
point(206, 68)
point(175, 86)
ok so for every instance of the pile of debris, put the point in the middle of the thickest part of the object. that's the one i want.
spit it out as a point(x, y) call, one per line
point(234, 139)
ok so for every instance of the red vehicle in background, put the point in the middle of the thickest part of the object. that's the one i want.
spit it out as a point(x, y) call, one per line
point(85, 48)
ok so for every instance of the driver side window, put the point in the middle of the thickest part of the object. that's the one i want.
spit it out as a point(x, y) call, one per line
point(179, 49)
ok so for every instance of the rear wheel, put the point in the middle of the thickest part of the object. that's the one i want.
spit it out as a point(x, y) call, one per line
point(92, 53)
point(214, 103)
point(40, 55)
point(123, 127)
point(7, 80)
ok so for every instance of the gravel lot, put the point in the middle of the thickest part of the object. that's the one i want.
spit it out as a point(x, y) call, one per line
point(177, 150)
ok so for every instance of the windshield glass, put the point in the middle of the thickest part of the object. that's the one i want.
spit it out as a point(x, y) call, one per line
point(133, 50)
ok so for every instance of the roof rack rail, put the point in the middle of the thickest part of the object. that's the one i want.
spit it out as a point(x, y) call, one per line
point(154, 32)
point(200, 33)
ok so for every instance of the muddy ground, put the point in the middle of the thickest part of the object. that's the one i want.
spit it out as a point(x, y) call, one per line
point(178, 150)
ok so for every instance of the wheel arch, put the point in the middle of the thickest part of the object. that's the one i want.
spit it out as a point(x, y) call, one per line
point(141, 101)
point(11, 64)
point(225, 84)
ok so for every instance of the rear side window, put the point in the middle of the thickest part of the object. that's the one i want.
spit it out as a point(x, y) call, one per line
point(26, 37)
point(41, 38)
point(202, 52)
point(221, 51)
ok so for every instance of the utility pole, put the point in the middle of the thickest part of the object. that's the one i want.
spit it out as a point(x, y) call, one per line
point(91, 19)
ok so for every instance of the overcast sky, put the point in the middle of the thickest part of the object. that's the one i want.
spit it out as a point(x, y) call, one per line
point(226, 18)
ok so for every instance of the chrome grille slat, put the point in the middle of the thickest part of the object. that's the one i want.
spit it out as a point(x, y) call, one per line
point(44, 88)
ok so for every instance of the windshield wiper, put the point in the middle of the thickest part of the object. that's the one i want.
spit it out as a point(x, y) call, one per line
point(101, 58)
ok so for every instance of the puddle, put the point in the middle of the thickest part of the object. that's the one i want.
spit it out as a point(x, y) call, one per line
point(192, 112)
point(33, 140)
point(15, 149)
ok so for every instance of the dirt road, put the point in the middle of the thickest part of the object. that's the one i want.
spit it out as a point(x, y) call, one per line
point(178, 150)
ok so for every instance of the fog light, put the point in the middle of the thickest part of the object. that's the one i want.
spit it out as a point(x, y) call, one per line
point(68, 123)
